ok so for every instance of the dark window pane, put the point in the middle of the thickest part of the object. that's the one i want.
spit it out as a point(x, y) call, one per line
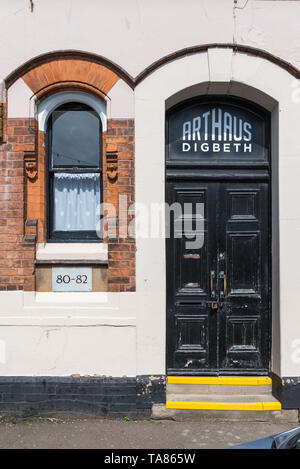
point(75, 137)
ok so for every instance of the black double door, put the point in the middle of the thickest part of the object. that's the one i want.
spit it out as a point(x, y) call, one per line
point(218, 277)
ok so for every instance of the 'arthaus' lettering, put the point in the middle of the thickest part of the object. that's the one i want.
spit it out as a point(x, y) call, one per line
point(217, 131)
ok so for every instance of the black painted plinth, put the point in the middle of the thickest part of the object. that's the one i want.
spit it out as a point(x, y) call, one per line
point(101, 396)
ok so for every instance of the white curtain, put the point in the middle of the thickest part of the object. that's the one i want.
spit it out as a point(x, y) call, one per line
point(76, 198)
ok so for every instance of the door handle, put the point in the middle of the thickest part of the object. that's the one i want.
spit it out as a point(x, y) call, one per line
point(222, 275)
point(191, 256)
point(213, 304)
point(212, 281)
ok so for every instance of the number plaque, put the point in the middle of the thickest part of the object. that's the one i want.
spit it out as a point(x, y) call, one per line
point(72, 278)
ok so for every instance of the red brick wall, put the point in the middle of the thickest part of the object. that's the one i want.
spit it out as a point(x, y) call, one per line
point(23, 199)
point(16, 256)
point(121, 252)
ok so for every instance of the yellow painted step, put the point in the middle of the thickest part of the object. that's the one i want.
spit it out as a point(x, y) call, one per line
point(222, 380)
point(263, 406)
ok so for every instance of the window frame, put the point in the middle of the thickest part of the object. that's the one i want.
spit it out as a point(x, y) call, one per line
point(81, 236)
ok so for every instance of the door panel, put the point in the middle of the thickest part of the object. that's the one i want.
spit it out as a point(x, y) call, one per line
point(190, 262)
point(243, 236)
point(243, 252)
point(218, 292)
point(188, 278)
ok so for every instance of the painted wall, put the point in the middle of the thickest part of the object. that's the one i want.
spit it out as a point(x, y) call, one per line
point(135, 33)
point(129, 329)
point(125, 334)
point(60, 334)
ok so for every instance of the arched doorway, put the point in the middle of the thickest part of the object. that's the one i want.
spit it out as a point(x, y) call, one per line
point(218, 245)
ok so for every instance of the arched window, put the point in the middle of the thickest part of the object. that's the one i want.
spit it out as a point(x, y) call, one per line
point(74, 154)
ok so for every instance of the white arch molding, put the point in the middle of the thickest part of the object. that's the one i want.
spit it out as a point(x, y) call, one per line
point(47, 106)
point(220, 71)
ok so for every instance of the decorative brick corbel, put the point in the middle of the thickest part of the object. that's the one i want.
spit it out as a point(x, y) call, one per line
point(30, 161)
point(30, 235)
point(112, 165)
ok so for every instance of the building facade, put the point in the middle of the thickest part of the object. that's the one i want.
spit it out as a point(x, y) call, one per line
point(149, 219)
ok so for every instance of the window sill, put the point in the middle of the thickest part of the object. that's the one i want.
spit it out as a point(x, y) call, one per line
point(70, 253)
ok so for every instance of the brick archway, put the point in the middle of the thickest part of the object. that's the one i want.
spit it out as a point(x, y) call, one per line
point(66, 55)
point(25, 145)
point(63, 74)
point(44, 79)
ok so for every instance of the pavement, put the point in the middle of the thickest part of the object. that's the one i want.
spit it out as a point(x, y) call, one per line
point(81, 432)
